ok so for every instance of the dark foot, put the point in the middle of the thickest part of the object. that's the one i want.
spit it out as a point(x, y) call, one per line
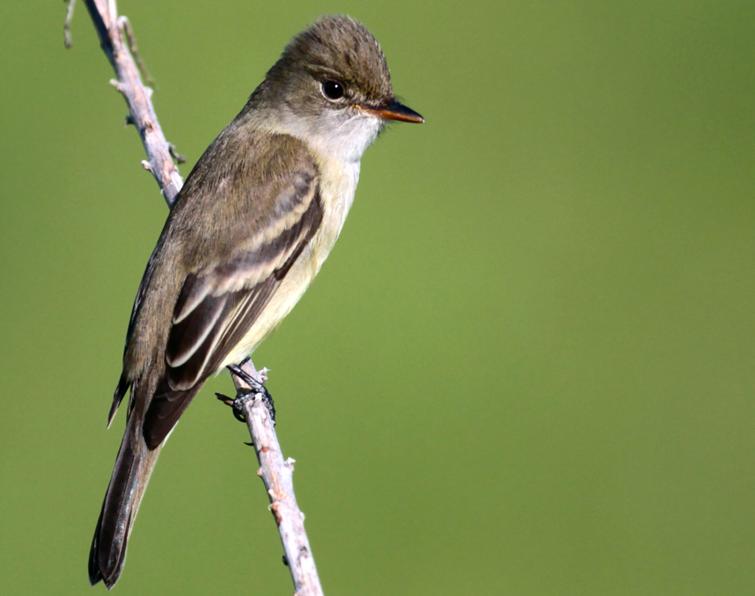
point(243, 394)
point(234, 404)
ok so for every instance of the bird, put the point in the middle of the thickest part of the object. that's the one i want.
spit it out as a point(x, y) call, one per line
point(251, 227)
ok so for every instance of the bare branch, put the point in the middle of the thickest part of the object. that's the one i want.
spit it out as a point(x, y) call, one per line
point(277, 474)
point(118, 42)
point(67, 38)
point(116, 38)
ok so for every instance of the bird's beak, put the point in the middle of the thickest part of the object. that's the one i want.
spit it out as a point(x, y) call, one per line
point(393, 110)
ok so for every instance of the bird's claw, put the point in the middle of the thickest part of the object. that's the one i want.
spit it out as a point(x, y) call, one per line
point(233, 403)
point(243, 394)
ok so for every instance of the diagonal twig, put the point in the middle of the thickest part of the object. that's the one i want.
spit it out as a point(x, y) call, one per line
point(118, 42)
point(114, 40)
point(277, 474)
point(128, 30)
point(67, 39)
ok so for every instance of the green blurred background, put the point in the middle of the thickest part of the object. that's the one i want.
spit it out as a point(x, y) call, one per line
point(527, 367)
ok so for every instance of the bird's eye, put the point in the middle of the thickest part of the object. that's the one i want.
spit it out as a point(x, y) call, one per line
point(333, 90)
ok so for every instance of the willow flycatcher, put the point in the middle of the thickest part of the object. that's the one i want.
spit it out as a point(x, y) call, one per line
point(250, 229)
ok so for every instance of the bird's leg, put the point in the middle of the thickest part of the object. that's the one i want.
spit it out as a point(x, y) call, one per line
point(250, 380)
point(243, 394)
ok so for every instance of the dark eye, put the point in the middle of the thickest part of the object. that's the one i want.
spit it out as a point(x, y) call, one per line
point(332, 90)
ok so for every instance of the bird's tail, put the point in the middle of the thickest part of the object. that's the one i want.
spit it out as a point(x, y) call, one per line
point(133, 467)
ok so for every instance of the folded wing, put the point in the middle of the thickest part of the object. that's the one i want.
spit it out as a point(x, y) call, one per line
point(220, 303)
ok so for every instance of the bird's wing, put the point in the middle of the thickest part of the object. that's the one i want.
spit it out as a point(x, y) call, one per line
point(223, 296)
point(218, 305)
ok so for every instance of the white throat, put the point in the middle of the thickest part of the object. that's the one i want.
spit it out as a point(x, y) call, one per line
point(342, 135)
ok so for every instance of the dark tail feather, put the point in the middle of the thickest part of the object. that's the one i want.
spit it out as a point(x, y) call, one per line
point(133, 467)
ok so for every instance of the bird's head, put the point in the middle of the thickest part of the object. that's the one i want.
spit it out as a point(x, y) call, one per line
point(332, 87)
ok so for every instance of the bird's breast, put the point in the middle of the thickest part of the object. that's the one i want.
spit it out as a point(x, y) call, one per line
point(338, 182)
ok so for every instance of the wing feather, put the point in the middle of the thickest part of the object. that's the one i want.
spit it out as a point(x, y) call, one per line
point(191, 332)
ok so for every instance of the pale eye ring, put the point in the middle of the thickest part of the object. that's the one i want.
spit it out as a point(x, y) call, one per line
point(332, 90)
